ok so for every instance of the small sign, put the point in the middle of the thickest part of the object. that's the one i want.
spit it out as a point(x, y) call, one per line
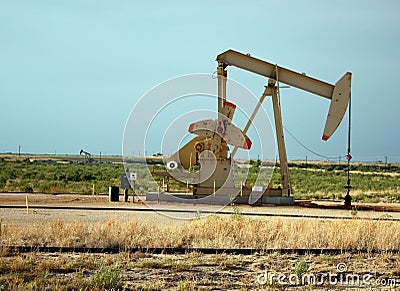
point(132, 176)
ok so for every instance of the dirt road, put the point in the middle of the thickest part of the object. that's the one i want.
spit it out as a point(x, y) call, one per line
point(98, 209)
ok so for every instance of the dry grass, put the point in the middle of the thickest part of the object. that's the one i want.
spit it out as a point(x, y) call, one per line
point(193, 271)
point(212, 232)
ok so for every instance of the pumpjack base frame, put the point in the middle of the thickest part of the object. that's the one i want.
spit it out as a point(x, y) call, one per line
point(219, 199)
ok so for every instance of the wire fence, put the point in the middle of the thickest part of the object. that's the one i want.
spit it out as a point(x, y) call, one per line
point(318, 156)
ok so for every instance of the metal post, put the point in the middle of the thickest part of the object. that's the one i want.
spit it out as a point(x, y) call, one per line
point(221, 78)
point(126, 195)
point(281, 142)
point(167, 183)
point(214, 187)
point(347, 198)
point(133, 194)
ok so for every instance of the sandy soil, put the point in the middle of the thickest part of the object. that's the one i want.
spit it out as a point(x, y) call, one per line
point(164, 213)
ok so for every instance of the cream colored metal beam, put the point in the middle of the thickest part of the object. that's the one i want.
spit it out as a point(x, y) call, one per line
point(284, 167)
point(339, 94)
point(257, 66)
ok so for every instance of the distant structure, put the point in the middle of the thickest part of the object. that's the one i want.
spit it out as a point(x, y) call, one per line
point(88, 156)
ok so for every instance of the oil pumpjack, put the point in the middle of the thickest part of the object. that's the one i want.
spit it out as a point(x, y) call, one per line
point(214, 181)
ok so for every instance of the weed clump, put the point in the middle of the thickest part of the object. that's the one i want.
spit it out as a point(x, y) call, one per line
point(107, 278)
point(300, 268)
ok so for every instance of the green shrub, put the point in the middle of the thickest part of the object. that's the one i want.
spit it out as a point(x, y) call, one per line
point(27, 189)
point(107, 278)
point(3, 182)
point(300, 268)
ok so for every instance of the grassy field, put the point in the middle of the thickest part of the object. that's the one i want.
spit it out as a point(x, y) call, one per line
point(315, 180)
point(52, 177)
point(328, 183)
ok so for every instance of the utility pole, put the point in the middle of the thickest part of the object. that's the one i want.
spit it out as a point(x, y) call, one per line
point(19, 150)
point(347, 198)
point(386, 158)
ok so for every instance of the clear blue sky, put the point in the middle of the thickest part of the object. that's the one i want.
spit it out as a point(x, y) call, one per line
point(71, 71)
